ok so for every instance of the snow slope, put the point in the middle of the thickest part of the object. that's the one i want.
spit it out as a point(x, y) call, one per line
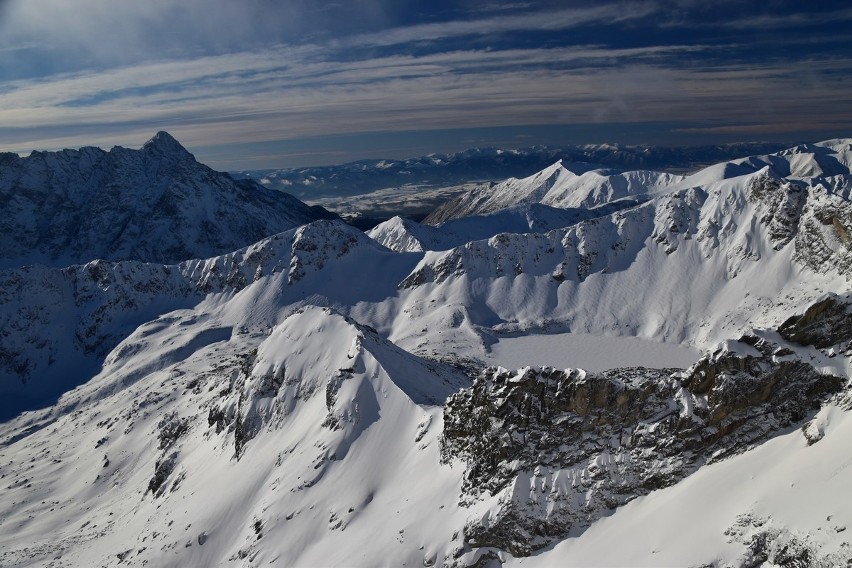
point(156, 204)
point(59, 324)
point(406, 235)
point(295, 445)
point(696, 265)
point(239, 437)
point(556, 186)
point(825, 163)
point(285, 403)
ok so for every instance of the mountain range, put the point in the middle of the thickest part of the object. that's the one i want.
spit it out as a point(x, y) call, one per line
point(490, 164)
point(328, 397)
point(156, 204)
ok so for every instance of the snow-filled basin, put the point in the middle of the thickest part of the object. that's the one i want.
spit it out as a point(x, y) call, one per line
point(589, 352)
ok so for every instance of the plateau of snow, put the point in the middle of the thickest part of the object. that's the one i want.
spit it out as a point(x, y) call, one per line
point(590, 352)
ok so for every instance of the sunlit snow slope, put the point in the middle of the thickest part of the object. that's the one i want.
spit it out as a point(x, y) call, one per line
point(318, 397)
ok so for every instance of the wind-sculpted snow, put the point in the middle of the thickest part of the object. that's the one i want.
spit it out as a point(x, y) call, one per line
point(156, 204)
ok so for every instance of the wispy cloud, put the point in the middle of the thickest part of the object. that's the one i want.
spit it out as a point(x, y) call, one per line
point(784, 20)
point(214, 71)
point(228, 98)
point(240, 84)
point(564, 19)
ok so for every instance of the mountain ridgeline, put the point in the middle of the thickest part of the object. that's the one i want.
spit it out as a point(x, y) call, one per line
point(156, 204)
point(328, 397)
point(490, 164)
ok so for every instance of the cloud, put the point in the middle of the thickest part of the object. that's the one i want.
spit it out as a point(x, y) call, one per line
point(292, 93)
point(546, 20)
point(786, 20)
point(98, 72)
point(103, 33)
point(291, 80)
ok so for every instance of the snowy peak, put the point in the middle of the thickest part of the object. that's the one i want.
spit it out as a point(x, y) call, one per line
point(823, 162)
point(164, 144)
point(728, 236)
point(491, 164)
point(552, 174)
point(325, 369)
point(280, 404)
point(93, 307)
point(811, 160)
point(157, 204)
point(555, 186)
point(406, 235)
point(318, 350)
point(494, 197)
point(828, 163)
point(267, 425)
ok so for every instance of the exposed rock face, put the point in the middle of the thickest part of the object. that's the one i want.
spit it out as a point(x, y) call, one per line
point(556, 450)
point(784, 202)
point(822, 241)
point(156, 204)
point(768, 544)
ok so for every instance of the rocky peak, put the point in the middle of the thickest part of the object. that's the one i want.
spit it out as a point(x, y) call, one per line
point(155, 204)
point(164, 144)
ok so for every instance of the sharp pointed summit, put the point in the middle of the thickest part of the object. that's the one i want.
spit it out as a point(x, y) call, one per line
point(164, 143)
point(156, 204)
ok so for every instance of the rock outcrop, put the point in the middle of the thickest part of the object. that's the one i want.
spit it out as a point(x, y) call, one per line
point(555, 450)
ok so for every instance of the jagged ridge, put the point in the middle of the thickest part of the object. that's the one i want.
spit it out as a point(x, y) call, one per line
point(156, 204)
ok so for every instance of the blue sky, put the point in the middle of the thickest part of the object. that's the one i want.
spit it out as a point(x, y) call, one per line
point(263, 83)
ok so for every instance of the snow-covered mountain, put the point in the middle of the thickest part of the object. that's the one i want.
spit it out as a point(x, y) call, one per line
point(402, 234)
point(156, 204)
point(58, 324)
point(558, 186)
point(490, 164)
point(321, 398)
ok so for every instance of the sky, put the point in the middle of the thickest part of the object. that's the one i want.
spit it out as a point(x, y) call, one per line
point(257, 84)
